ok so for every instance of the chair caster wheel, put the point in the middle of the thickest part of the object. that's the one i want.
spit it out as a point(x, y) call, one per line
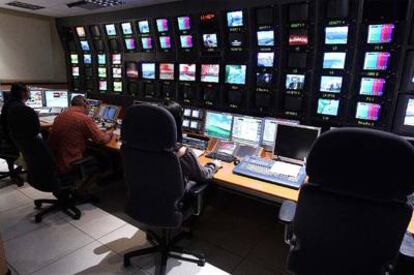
point(202, 262)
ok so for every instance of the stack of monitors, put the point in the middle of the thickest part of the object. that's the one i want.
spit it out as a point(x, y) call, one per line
point(164, 32)
point(132, 76)
point(102, 72)
point(236, 27)
point(95, 32)
point(145, 30)
point(193, 119)
point(128, 37)
point(117, 72)
point(111, 33)
point(209, 32)
point(186, 37)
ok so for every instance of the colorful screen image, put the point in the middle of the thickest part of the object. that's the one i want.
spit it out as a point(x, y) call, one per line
point(143, 26)
point(226, 148)
point(146, 43)
point(75, 71)
point(58, 99)
point(35, 100)
point(80, 31)
point(117, 72)
point(165, 42)
point(218, 125)
point(265, 38)
point(331, 84)
point(184, 23)
point(118, 86)
point(101, 59)
point(235, 19)
point(264, 79)
point(298, 37)
point(265, 59)
point(166, 71)
point(132, 70)
point(372, 86)
point(210, 40)
point(376, 60)
point(87, 58)
point(336, 35)
point(116, 59)
point(126, 28)
point(148, 70)
point(130, 44)
point(74, 59)
point(110, 29)
point(368, 111)
point(295, 81)
point(409, 113)
point(162, 25)
point(102, 72)
point(103, 85)
point(210, 73)
point(328, 107)
point(85, 45)
point(236, 74)
point(380, 34)
point(187, 72)
point(334, 60)
point(186, 41)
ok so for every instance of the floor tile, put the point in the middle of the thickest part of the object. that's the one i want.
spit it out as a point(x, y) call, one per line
point(249, 268)
point(39, 248)
point(35, 194)
point(11, 198)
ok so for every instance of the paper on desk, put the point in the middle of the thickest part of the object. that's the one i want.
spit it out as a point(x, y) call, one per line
point(284, 168)
point(197, 152)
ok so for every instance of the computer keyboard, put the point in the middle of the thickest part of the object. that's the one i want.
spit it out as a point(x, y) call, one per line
point(220, 156)
point(263, 169)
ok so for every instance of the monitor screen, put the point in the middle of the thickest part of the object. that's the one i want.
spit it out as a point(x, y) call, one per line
point(368, 111)
point(165, 42)
point(117, 72)
point(235, 74)
point(264, 16)
point(187, 112)
point(334, 60)
point(72, 95)
point(118, 86)
point(269, 132)
point(226, 148)
point(266, 38)
point(210, 40)
point(184, 23)
point(101, 59)
point(85, 45)
point(246, 129)
point(146, 43)
point(194, 125)
point(102, 72)
point(196, 113)
point(265, 59)
point(376, 60)
point(298, 37)
point(113, 44)
point(95, 31)
point(110, 29)
point(297, 60)
point(372, 86)
point(404, 115)
point(103, 85)
point(187, 72)
point(328, 107)
point(132, 70)
point(235, 19)
point(186, 41)
point(74, 59)
point(336, 35)
point(208, 21)
point(81, 32)
point(294, 141)
point(236, 39)
point(162, 25)
point(56, 99)
point(166, 71)
point(380, 34)
point(99, 45)
point(87, 58)
point(264, 79)
point(148, 70)
point(295, 81)
point(109, 112)
point(218, 125)
point(143, 26)
point(409, 113)
point(35, 100)
point(331, 84)
point(210, 73)
point(186, 123)
point(130, 44)
point(126, 28)
point(116, 59)
point(75, 71)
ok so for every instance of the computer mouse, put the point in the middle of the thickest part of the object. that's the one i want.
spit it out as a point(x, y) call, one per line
point(236, 162)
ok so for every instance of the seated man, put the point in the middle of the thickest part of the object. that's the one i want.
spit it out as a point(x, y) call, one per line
point(70, 133)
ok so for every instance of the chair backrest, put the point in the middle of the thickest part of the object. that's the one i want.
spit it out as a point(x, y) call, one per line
point(351, 217)
point(152, 170)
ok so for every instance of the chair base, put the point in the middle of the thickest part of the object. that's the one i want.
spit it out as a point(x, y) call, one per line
point(64, 204)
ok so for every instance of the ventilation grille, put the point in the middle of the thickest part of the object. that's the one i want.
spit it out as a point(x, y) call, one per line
point(95, 4)
point(23, 5)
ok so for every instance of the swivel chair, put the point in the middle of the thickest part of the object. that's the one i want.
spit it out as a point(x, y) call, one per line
point(10, 154)
point(156, 192)
point(352, 215)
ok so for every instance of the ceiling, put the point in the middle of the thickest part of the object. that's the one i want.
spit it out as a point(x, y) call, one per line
point(58, 8)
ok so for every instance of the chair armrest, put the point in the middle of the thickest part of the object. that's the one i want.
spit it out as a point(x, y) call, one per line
point(81, 166)
point(287, 212)
point(197, 189)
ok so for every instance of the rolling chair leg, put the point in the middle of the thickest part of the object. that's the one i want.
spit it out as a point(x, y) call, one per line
point(39, 216)
point(141, 252)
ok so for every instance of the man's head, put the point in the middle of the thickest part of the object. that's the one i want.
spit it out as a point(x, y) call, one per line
point(177, 112)
point(19, 91)
point(80, 101)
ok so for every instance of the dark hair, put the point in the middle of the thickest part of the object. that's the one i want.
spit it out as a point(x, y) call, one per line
point(18, 90)
point(78, 100)
point(177, 112)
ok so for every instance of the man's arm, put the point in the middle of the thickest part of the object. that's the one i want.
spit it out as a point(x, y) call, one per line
point(94, 133)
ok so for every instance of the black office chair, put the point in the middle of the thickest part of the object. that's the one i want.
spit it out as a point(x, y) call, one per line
point(156, 197)
point(352, 215)
point(10, 154)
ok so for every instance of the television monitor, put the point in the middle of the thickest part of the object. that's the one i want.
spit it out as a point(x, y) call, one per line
point(81, 32)
point(102, 72)
point(35, 100)
point(380, 34)
point(87, 59)
point(117, 72)
point(166, 71)
point(184, 23)
point(85, 45)
point(103, 85)
point(334, 60)
point(196, 113)
point(208, 21)
point(264, 16)
point(265, 59)
point(186, 41)
point(404, 115)
point(109, 112)
point(74, 59)
point(331, 84)
point(58, 99)
point(236, 39)
point(266, 38)
point(75, 71)
point(148, 70)
point(210, 73)
point(264, 79)
point(118, 86)
point(218, 125)
point(328, 107)
point(368, 111)
point(95, 31)
point(195, 125)
point(110, 29)
point(336, 35)
point(186, 123)
point(165, 42)
point(337, 9)
point(72, 95)
point(235, 19)
point(269, 133)
point(88, 72)
point(99, 45)
point(295, 81)
point(298, 37)
point(116, 59)
point(293, 142)
point(297, 60)
point(162, 25)
point(187, 112)
point(132, 70)
point(143, 26)
point(113, 44)
point(247, 130)
point(130, 44)
point(146, 43)
point(210, 40)
point(298, 12)
point(372, 86)
point(228, 148)
point(127, 28)
point(235, 74)
point(293, 103)
point(187, 72)
point(101, 59)
point(376, 61)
